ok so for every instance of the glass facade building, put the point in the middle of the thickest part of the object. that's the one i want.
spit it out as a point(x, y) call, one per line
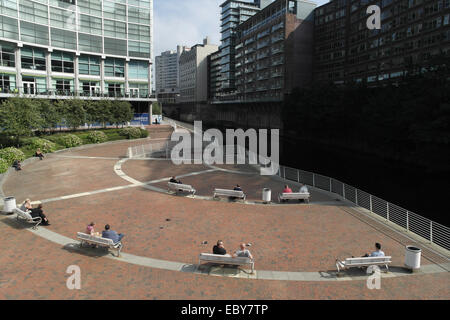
point(87, 48)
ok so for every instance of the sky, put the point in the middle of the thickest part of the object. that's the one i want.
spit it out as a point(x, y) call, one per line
point(187, 22)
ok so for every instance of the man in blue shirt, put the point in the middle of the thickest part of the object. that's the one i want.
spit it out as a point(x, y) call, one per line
point(111, 234)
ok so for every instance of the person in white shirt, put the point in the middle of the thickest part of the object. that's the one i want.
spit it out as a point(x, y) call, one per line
point(304, 189)
point(377, 252)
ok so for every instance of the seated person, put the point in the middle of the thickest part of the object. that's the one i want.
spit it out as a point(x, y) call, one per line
point(39, 154)
point(111, 234)
point(287, 189)
point(26, 205)
point(376, 253)
point(242, 252)
point(304, 189)
point(237, 188)
point(174, 180)
point(38, 212)
point(17, 165)
point(219, 248)
point(90, 230)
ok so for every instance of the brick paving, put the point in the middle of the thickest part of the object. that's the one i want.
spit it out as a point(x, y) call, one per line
point(295, 237)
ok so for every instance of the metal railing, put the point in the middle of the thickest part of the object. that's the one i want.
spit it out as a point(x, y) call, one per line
point(39, 92)
point(158, 149)
point(427, 229)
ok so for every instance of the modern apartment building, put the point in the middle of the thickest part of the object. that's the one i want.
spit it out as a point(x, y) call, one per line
point(233, 13)
point(274, 51)
point(214, 75)
point(412, 32)
point(66, 48)
point(167, 75)
point(194, 72)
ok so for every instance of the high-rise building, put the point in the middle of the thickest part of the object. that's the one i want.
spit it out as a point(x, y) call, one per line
point(214, 75)
point(233, 13)
point(194, 72)
point(167, 75)
point(412, 32)
point(86, 48)
point(274, 51)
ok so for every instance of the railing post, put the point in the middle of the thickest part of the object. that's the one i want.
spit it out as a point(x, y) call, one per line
point(387, 211)
point(314, 180)
point(298, 176)
point(343, 190)
point(356, 196)
point(431, 231)
point(371, 205)
point(284, 173)
point(331, 184)
point(407, 220)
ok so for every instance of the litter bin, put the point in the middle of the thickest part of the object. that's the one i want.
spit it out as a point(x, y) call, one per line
point(412, 258)
point(9, 204)
point(267, 195)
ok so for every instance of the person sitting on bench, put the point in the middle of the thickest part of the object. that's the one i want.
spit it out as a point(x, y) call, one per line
point(111, 234)
point(174, 180)
point(17, 165)
point(243, 252)
point(237, 188)
point(26, 205)
point(38, 212)
point(303, 189)
point(376, 253)
point(39, 154)
point(287, 189)
point(219, 248)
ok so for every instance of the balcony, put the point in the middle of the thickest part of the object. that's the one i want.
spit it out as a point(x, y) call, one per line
point(277, 74)
point(262, 44)
point(247, 61)
point(278, 38)
point(251, 50)
point(278, 26)
point(249, 70)
point(262, 55)
point(277, 50)
point(261, 67)
point(277, 62)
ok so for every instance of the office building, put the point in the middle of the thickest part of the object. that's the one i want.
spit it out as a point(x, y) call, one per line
point(233, 13)
point(194, 72)
point(274, 51)
point(412, 32)
point(86, 48)
point(167, 75)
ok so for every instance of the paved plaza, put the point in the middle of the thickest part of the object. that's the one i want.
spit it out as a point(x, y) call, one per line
point(295, 245)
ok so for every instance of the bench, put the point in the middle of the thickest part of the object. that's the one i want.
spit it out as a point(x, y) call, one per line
point(363, 262)
point(221, 259)
point(180, 187)
point(229, 193)
point(294, 196)
point(22, 215)
point(99, 241)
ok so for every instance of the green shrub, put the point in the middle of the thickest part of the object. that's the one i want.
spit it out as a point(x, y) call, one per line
point(97, 137)
point(131, 132)
point(4, 165)
point(70, 141)
point(11, 154)
point(45, 145)
point(144, 133)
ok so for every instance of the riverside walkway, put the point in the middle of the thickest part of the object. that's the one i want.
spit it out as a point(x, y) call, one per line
point(294, 245)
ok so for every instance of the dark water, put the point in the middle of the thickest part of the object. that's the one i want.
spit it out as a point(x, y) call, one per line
point(411, 188)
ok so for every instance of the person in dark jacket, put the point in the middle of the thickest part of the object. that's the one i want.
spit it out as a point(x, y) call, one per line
point(39, 212)
point(219, 248)
point(111, 234)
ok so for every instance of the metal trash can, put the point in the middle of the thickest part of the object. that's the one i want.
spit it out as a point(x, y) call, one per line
point(412, 258)
point(267, 195)
point(9, 204)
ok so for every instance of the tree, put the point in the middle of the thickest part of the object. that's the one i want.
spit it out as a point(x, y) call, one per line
point(73, 112)
point(103, 111)
point(50, 114)
point(20, 117)
point(92, 109)
point(121, 112)
point(156, 108)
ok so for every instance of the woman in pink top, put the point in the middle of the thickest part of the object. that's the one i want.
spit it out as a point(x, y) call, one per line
point(287, 189)
point(90, 229)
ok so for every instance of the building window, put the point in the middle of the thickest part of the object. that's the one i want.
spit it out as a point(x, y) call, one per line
point(114, 67)
point(33, 59)
point(34, 85)
point(90, 88)
point(138, 90)
point(7, 83)
point(138, 70)
point(114, 89)
point(63, 86)
point(89, 65)
point(62, 62)
point(7, 58)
